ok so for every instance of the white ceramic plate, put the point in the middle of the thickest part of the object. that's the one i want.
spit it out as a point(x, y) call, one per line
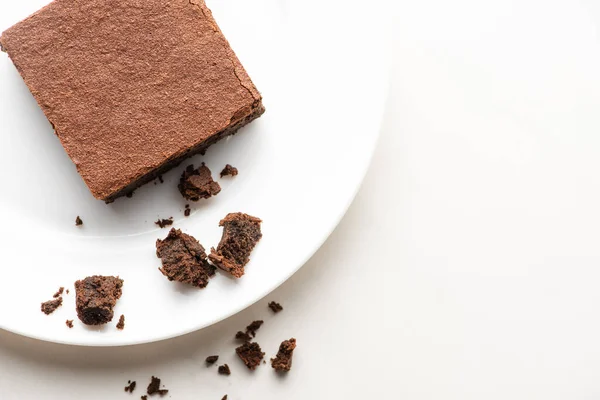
point(322, 71)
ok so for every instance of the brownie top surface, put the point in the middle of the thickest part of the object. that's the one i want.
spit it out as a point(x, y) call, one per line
point(129, 84)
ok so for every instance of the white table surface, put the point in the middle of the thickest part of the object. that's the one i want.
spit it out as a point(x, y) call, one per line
point(467, 267)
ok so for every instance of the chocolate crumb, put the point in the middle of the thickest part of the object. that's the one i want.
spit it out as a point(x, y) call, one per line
point(243, 336)
point(121, 323)
point(67, 291)
point(187, 212)
point(251, 354)
point(69, 323)
point(253, 327)
point(144, 397)
point(196, 184)
point(59, 292)
point(224, 369)
point(229, 171)
point(154, 387)
point(211, 359)
point(131, 387)
point(50, 306)
point(224, 397)
point(78, 221)
point(275, 307)
point(163, 223)
point(283, 361)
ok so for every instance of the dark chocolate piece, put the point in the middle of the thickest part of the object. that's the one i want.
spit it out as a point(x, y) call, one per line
point(224, 369)
point(241, 233)
point(196, 184)
point(229, 171)
point(78, 221)
point(253, 327)
point(59, 292)
point(154, 387)
point(96, 296)
point(163, 223)
point(144, 397)
point(69, 323)
point(251, 354)
point(124, 110)
point(50, 306)
point(121, 323)
point(184, 259)
point(210, 360)
point(283, 360)
point(131, 387)
point(275, 307)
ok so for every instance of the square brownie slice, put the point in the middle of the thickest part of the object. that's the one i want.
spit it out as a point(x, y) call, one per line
point(132, 87)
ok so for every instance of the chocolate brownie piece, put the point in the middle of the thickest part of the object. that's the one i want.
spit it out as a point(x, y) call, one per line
point(210, 360)
point(241, 233)
point(253, 327)
point(184, 260)
point(251, 354)
point(121, 323)
point(196, 184)
point(229, 171)
point(131, 386)
point(50, 306)
point(154, 387)
point(224, 369)
point(69, 323)
point(283, 360)
point(132, 88)
point(59, 292)
point(78, 221)
point(275, 307)
point(96, 296)
point(163, 223)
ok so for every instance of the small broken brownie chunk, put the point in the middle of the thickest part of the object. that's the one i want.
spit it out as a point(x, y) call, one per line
point(251, 354)
point(253, 327)
point(184, 259)
point(196, 184)
point(154, 387)
point(224, 397)
point(224, 369)
point(96, 296)
point(78, 221)
point(69, 323)
point(210, 360)
point(243, 336)
point(163, 223)
point(121, 323)
point(131, 387)
point(275, 307)
point(241, 233)
point(50, 306)
point(283, 361)
point(229, 171)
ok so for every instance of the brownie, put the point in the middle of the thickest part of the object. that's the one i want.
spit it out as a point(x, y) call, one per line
point(241, 233)
point(184, 260)
point(196, 184)
point(229, 171)
point(210, 360)
point(251, 354)
point(121, 323)
point(96, 296)
point(69, 323)
point(132, 88)
point(78, 221)
point(275, 307)
point(163, 223)
point(50, 306)
point(224, 369)
point(131, 386)
point(253, 327)
point(283, 360)
point(154, 387)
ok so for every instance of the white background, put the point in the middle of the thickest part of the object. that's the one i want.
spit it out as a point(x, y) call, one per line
point(467, 268)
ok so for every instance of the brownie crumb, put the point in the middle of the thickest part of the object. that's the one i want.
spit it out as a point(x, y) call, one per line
point(187, 212)
point(67, 291)
point(59, 292)
point(96, 296)
point(224, 369)
point(283, 360)
point(210, 360)
point(253, 327)
point(243, 336)
point(184, 260)
point(78, 221)
point(144, 397)
point(50, 306)
point(196, 184)
point(131, 387)
point(154, 387)
point(229, 171)
point(121, 323)
point(241, 233)
point(163, 223)
point(224, 397)
point(251, 354)
point(69, 323)
point(275, 307)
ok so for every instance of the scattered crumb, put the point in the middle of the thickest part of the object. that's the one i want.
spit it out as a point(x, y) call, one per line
point(243, 336)
point(253, 327)
point(251, 354)
point(50, 306)
point(160, 179)
point(275, 307)
point(78, 221)
point(121, 323)
point(154, 387)
point(163, 223)
point(67, 291)
point(224, 397)
point(211, 359)
point(59, 292)
point(69, 323)
point(196, 184)
point(224, 369)
point(229, 171)
point(283, 361)
point(131, 387)
point(187, 212)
